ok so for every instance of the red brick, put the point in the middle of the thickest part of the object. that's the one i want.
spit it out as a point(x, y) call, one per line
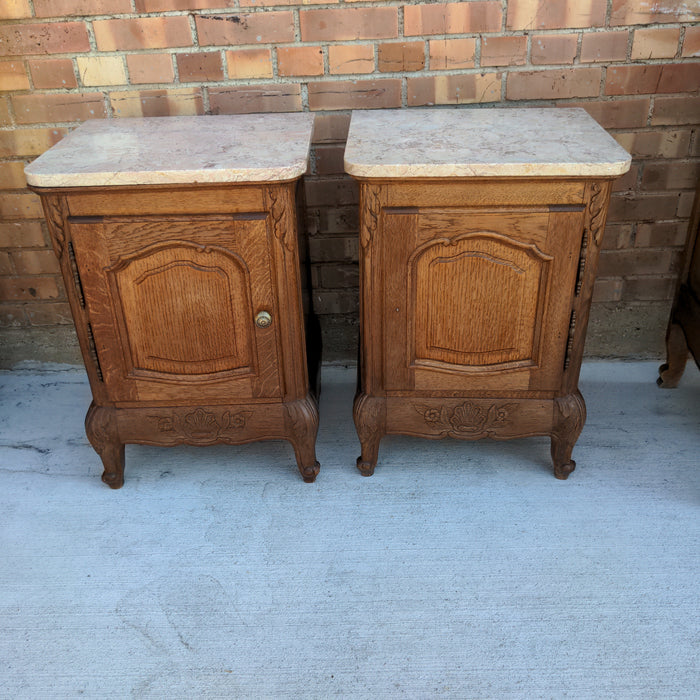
point(5, 118)
point(58, 107)
point(150, 68)
point(553, 84)
point(603, 47)
point(649, 288)
point(563, 14)
point(142, 33)
point(258, 28)
point(300, 60)
point(355, 94)
point(101, 70)
point(658, 11)
point(403, 57)
point(13, 76)
point(655, 144)
point(249, 63)
point(676, 110)
point(20, 206)
point(50, 73)
point(172, 5)
point(54, 37)
point(21, 234)
point(266, 3)
point(642, 207)
point(350, 58)
point(672, 175)
point(691, 42)
point(628, 181)
point(452, 54)
point(617, 236)
point(12, 316)
point(454, 89)
point(329, 128)
point(12, 175)
point(349, 24)
point(28, 288)
point(503, 51)
point(157, 103)
point(28, 142)
point(553, 48)
point(48, 313)
point(195, 67)
point(655, 43)
point(72, 8)
point(653, 79)
point(452, 18)
point(6, 266)
point(35, 262)
point(255, 98)
point(15, 9)
point(616, 114)
point(661, 234)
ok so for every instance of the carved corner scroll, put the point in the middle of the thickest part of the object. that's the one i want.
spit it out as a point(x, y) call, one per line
point(54, 207)
point(599, 194)
point(370, 217)
point(279, 204)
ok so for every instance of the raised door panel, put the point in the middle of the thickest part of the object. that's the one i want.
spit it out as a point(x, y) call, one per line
point(477, 300)
point(172, 304)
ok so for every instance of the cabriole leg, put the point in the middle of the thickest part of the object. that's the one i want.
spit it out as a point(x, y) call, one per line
point(569, 419)
point(102, 432)
point(369, 414)
point(302, 427)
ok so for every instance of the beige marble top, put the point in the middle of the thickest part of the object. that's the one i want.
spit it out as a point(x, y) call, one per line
point(501, 142)
point(169, 150)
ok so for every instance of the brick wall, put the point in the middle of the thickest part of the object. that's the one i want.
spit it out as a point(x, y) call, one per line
point(634, 65)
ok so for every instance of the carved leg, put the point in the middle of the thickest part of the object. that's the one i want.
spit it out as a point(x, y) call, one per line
point(676, 356)
point(369, 414)
point(569, 418)
point(302, 427)
point(102, 432)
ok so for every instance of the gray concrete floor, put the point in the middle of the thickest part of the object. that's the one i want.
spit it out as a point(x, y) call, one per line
point(458, 570)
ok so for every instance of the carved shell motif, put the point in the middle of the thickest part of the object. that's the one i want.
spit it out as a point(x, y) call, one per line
point(201, 425)
point(467, 419)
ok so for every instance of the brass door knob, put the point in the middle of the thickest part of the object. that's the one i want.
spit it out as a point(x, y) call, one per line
point(263, 320)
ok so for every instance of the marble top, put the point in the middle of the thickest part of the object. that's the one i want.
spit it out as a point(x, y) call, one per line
point(170, 150)
point(500, 142)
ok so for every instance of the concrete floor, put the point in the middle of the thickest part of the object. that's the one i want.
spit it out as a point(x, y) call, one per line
point(460, 570)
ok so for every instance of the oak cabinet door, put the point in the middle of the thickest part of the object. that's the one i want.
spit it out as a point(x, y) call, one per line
point(478, 299)
point(172, 304)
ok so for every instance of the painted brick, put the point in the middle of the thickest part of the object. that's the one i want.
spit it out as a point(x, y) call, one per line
point(199, 66)
point(691, 42)
point(668, 78)
point(329, 128)
point(655, 43)
point(300, 60)
point(258, 28)
point(36, 262)
point(553, 48)
point(454, 89)
point(249, 63)
point(673, 175)
point(607, 289)
point(545, 14)
point(20, 206)
point(649, 288)
point(675, 110)
point(628, 181)
point(616, 114)
point(686, 201)
point(342, 191)
point(54, 37)
point(343, 302)
point(655, 144)
point(13, 76)
point(58, 107)
point(640, 261)
point(642, 207)
point(617, 236)
point(349, 24)
point(553, 84)
point(142, 33)
point(29, 142)
point(503, 50)
point(338, 276)
point(329, 159)
point(157, 103)
point(49, 73)
point(452, 18)
point(661, 234)
point(604, 47)
point(15, 9)
point(48, 313)
point(12, 175)
point(101, 70)
point(150, 68)
point(350, 58)
point(339, 220)
point(255, 98)
point(21, 234)
point(81, 8)
point(19, 288)
point(452, 54)
point(659, 11)
point(403, 57)
point(355, 94)
point(334, 249)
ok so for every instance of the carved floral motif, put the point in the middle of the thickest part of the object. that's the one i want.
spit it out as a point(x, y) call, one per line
point(201, 425)
point(467, 419)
